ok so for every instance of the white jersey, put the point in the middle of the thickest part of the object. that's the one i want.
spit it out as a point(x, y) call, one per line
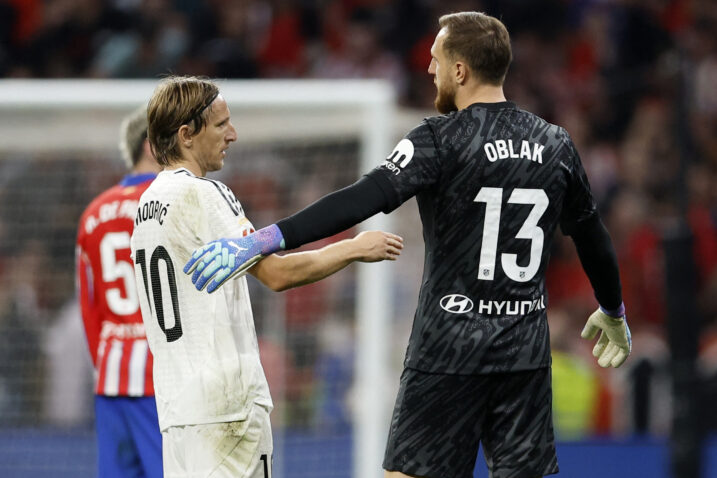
point(206, 356)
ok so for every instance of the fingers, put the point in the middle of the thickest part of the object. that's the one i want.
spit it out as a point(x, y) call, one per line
point(389, 237)
point(612, 356)
point(394, 237)
point(199, 254)
point(227, 273)
point(219, 279)
point(590, 330)
point(394, 246)
point(392, 253)
point(392, 250)
point(601, 344)
point(395, 243)
point(610, 352)
point(620, 358)
point(201, 277)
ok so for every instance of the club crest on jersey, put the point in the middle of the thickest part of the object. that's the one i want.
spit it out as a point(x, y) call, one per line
point(400, 156)
point(456, 304)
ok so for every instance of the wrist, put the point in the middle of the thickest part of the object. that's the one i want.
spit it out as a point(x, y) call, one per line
point(615, 313)
point(355, 250)
point(270, 239)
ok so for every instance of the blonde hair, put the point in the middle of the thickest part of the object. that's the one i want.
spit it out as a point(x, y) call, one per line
point(133, 132)
point(177, 100)
point(481, 41)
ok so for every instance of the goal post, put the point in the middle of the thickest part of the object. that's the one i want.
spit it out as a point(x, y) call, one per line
point(46, 118)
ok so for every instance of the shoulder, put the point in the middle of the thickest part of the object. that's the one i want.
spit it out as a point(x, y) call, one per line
point(541, 126)
point(426, 132)
point(204, 189)
point(175, 183)
point(220, 190)
point(455, 127)
point(440, 122)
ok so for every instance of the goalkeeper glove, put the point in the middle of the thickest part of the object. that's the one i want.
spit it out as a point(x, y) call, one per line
point(227, 258)
point(615, 342)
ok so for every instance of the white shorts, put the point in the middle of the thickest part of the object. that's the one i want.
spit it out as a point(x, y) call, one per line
point(232, 449)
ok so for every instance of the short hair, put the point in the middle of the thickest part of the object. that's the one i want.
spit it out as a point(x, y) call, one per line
point(481, 41)
point(177, 100)
point(133, 133)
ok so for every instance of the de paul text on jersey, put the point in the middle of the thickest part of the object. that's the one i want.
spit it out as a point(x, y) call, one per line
point(110, 211)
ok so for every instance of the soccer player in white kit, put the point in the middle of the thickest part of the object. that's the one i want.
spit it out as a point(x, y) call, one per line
point(212, 396)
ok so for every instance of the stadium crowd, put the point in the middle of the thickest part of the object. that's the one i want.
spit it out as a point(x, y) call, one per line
point(633, 81)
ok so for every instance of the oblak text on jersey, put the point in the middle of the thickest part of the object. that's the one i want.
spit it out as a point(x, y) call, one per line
point(502, 149)
point(151, 210)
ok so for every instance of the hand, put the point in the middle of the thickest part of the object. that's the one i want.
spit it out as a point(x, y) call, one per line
point(615, 342)
point(227, 258)
point(378, 246)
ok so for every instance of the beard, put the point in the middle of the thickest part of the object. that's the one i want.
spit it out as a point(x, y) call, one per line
point(445, 100)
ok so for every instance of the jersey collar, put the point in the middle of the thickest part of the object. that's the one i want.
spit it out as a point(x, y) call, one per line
point(135, 179)
point(180, 171)
point(501, 105)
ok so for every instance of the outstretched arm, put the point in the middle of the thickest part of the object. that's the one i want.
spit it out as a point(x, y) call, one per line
point(300, 268)
point(220, 260)
point(339, 211)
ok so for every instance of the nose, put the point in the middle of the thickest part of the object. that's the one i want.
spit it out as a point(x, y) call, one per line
point(232, 133)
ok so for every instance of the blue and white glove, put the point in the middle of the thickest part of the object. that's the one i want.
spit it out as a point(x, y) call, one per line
point(227, 258)
point(615, 342)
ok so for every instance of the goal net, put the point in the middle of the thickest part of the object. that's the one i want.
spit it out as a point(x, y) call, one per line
point(330, 349)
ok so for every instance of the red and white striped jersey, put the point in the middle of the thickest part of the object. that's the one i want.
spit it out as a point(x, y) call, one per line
point(108, 293)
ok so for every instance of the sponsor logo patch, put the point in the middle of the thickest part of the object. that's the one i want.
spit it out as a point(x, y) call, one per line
point(456, 304)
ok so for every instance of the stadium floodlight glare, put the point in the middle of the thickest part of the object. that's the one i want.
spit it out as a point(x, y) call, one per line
point(54, 117)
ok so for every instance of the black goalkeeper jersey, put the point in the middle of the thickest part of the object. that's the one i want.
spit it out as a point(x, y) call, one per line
point(492, 182)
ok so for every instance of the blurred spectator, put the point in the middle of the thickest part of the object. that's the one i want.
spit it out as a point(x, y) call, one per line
point(362, 54)
point(68, 390)
point(21, 319)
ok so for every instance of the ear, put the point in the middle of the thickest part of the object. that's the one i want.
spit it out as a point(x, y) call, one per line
point(461, 72)
point(185, 136)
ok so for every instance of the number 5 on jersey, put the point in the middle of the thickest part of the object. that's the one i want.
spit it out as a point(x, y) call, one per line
point(161, 282)
point(493, 199)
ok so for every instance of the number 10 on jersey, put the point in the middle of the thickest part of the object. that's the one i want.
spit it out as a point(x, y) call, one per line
point(161, 254)
point(493, 199)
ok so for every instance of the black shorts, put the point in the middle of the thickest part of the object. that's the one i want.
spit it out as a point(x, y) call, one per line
point(439, 421)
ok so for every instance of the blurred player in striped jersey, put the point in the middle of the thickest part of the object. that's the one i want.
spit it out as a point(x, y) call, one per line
point(128, 438)
point(212, 396)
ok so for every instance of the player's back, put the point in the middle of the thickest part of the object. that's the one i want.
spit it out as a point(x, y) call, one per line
point(500, 196)
point(108, 294)
point(503, 179)
point(207, 367)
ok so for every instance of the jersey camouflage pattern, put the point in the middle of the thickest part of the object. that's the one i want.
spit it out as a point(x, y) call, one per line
point(492, 182)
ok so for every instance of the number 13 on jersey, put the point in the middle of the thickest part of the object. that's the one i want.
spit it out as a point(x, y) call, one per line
point(493, 199)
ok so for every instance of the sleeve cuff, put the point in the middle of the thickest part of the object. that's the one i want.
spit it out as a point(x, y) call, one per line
point(616, 313)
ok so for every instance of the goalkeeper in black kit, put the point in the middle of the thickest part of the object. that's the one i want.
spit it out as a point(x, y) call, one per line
point(492, 182)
